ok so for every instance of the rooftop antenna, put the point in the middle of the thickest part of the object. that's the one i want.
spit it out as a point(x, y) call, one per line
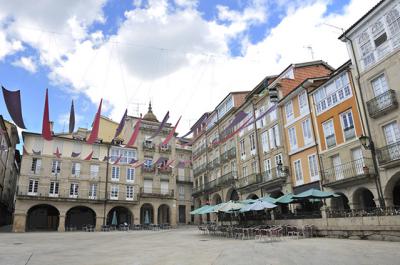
point(310, 48)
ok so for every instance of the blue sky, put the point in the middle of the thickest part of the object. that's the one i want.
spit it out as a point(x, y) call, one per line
point(183, 56)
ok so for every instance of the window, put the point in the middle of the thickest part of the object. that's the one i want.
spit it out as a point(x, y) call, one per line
point(289, 111)
point(93, 191)
point(73, 190)
point(380, 37)
point(115, 173)
point(56, 167)
point(337, 165)
point(130, 174)
point(127, 155)
point(242, 148)
point(33, 187)
point(181, 192)
point(307, 135)
point(272, 115)
point(245, 171)
point(348, 125)
point(96, 151)
point(36, 165)
point(94, 171)
point(53, 189)
point(313, 166)
point(392, 134)
point(277, 139)
point(254, 168)
point(303, 102)
point(333, 93)
point(292, 138)
point(329, 132)
point(366, 49)
point(358, 159)
point(298, 172)
point(267, 168)
point(393, 22)
point(379, 85)
point(278, 162)
point(252, 142)
point(261, 121)
point(264, 141)
point(164, 187)
point(114, 192)
point(76, 169)
point(181, 174)
point(129, 193)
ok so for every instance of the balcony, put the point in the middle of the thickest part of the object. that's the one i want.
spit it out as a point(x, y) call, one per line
point(156, 193)
point(330, 141)
point(221, 182)
point(353, 172)
point(382, 104)
point(197, 171)
point(199, 151)
point(148, 146)
point(165, 148)
point(224, 157)
point(349, 133)
point(249, 181)
point(232, 153)
point(165, 170)
point(148, 169)
point(225, 133)
point(274, 178)
point(227, 179)
point(389, 155)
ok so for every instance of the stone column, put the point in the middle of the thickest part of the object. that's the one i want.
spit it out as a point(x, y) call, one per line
point(61, 223)
point(173, 216)
point(19, 222)
point(99, 223)
point(155, 215)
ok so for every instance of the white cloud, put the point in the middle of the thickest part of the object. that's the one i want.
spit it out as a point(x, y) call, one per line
point(27, 63)
point(63, 121)
point(8, 47)
point(176, 58)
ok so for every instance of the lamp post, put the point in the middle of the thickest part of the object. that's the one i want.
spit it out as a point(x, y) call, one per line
point(368, 144)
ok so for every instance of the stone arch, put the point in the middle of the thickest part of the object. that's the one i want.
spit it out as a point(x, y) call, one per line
point(392, 190)
point(232, 195)
point(252, 196)
point(363, 198)
point(163, 214)
point(121, 214)
point(216, 199)
point(79, 216)
point(147, 214)
point(42, 217)
point(340, 203)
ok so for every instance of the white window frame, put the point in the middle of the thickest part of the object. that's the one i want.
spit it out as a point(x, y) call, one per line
point(55, 167)
point(33, 187)
point(264, 141)
point(94, 170)
point(314, 172)
point(92, 191)
point(54, 189)
point(299, 177)
point(74, 190)
point(306, 128)
point(344, 115)
point(115, 173)
point(303, 103)
point(114, 192)
point(292, 138)
point(289, 112)
point(130, 174)
point(36, 165)
point(325, 133)
point(130, 193)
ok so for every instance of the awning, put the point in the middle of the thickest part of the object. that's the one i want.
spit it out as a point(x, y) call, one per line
point(315, 194)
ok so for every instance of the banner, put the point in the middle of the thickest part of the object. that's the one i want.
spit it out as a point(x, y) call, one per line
point(95, 129)
point(13, 104)
point(162, 124)
point(121, 124)
point(135, 134)
point(72, 118)
point(171, 133)
point(46, 131)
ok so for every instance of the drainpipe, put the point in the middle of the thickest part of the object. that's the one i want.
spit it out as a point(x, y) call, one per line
point(257, 143)
point(372, 145)
point(106, 189)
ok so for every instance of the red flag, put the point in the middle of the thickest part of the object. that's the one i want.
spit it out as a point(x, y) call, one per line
point(118, 159)
point(95, 129)
point(57, 153)
point(169, 163)
point(138, 165)
point(171, 133)
point(135, 133)
point(89, 157)
point(46, 132)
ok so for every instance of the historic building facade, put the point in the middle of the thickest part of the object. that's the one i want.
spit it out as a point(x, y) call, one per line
point(373, 43)
point(9, 170)
point(66, 183)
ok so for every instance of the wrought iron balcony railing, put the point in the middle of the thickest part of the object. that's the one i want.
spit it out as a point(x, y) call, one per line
point(232, 153)
point(388, 153)
point(200, 150)
point(220, 182)
point(349, 213)
point(251, 179)
point(148, 169)
point(356, 169)
point(330, 141)
point(156, 192)
point(382, 104)
point(148, 146)
point(274, 173)
point(202, 168)
point(165, 170)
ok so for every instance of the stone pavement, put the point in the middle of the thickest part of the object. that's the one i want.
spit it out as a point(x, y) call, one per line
point(185, 246)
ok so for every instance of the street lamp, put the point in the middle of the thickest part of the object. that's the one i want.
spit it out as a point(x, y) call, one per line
point(368, 144)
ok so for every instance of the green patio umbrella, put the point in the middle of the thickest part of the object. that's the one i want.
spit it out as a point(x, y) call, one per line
point(206, 209)
point(268, 199)
point(228, 206)
point(257, 206)
point(315, 194)
point(285, 199)
point(248, 201)
point(114, 219)
point(196, 211)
